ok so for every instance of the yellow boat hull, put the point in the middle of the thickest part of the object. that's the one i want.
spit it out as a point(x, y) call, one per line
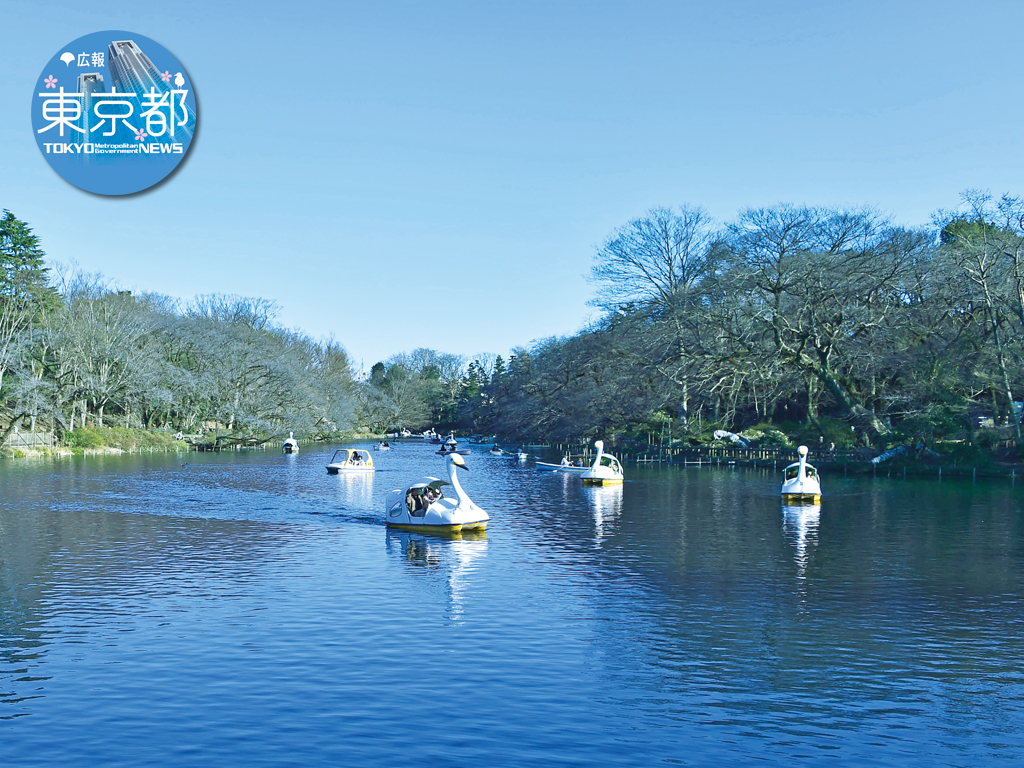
point(457, 528)
point(808, 498)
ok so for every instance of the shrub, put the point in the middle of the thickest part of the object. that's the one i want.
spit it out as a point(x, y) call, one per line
point(119, 437)
point(85, 437)
point(767, 436)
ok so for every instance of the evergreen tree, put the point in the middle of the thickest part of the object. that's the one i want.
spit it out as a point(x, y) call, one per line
point(24, 280)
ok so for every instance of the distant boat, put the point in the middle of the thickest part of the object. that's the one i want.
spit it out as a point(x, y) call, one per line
point(606, 469)
point(384, 445)
point(350, 461)
point(800, 481)
point(290, 445)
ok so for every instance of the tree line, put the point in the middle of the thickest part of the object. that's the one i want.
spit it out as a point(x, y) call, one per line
point(833, 321)
point(826, 321)
point(77, 352)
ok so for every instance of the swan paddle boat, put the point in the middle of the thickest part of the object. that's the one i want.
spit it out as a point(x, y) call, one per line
point(290, 445)
point(350, 461)
point(800, 481)
point(422, 506)
point(606, 469)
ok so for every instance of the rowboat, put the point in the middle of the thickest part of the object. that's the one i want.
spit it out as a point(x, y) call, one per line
point(544, 466)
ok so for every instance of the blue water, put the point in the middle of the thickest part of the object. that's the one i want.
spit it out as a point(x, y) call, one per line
point(249, 609)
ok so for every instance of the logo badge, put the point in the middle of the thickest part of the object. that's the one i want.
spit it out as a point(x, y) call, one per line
point(114, 112)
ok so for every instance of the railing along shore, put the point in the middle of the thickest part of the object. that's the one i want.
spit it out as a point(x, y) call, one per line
point(849, 462)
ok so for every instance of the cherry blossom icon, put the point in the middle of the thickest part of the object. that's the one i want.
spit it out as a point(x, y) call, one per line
point(140, 135)
point(51, 82)
point(166, 76)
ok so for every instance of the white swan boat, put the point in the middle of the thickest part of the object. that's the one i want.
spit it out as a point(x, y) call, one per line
point(350, 461)
point(422, 506)
point(290, 445)
point(606, 469)
point(800, 481)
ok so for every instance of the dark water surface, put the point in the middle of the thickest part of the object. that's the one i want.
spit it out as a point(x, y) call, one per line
point(249, 609)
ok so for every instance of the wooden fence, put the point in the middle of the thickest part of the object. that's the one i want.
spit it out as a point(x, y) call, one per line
point(28, 440)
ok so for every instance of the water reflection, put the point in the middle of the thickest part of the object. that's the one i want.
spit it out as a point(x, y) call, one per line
point(355, 490)
point(800, 525)
point(606, 506)
point(450, 558)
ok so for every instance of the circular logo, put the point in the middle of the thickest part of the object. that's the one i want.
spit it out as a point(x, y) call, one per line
point(113, 112)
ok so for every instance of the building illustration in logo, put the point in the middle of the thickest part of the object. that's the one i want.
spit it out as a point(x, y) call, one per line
point(131, 71)
point(88, 84)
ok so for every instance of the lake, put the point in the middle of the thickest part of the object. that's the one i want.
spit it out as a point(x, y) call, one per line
point(250, 609)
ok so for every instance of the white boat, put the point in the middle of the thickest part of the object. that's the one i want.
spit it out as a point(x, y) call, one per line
point(350, 461)
point(521, 455)
point(422, 506)
point(290, 445)
point(496, 451)
point(800, 481)
point(544, 466)
point(384, 445)
point(606, 469)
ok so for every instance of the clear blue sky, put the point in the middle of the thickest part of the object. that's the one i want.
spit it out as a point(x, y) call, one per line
point(438, 174)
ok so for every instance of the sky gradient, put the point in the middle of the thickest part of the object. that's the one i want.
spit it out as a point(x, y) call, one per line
point(412, 174)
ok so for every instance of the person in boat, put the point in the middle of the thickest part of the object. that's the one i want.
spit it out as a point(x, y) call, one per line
point(356, 460)
point(565, 461)
point(579, 463)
